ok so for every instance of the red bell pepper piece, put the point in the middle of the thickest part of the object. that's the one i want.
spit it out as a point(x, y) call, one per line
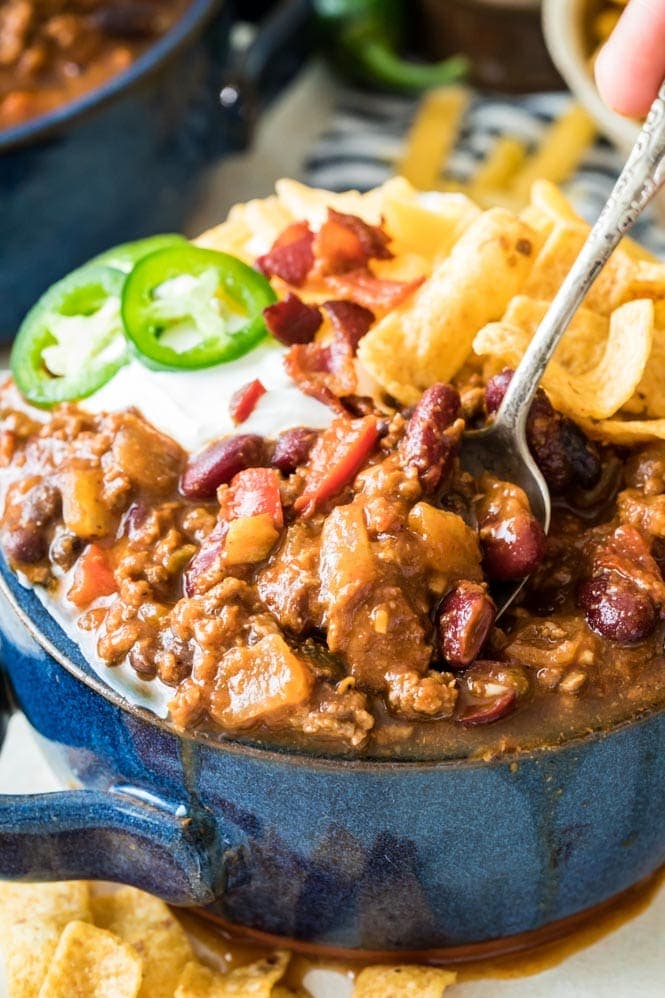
point(243, 402)
point(93, 577)
point(337, 457)
point(252, 492)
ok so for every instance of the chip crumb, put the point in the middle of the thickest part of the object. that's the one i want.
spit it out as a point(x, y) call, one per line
point(256, 980)
point(403, 981)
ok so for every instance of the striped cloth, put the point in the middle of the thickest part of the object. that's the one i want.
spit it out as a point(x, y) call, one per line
point(367, 133)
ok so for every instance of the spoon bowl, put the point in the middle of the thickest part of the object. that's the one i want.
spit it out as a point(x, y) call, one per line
point(501, 449)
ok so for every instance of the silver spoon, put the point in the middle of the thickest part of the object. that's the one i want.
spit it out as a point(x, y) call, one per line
point(501, 449)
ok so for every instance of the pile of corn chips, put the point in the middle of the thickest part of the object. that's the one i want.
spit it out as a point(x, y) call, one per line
point(69, 940)
point(488, 279)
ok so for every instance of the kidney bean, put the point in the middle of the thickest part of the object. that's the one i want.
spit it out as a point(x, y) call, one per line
point(292, 449)
point(490, 690)
point(496, 388)
point(219, 462)
point(463, 621)
point(41, 504)
point(513, 547)
point(65, 547)
point(425, 445)
point(617, 609)
point(561, 450)
point(490, 711)
point(142, 661)
point(25, 544)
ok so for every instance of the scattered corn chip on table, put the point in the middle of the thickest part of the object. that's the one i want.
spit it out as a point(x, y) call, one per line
point(487, 148)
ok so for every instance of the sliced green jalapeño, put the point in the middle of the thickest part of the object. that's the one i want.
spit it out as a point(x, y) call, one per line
point(185, 307)
point(125, 256)
point(72, 341)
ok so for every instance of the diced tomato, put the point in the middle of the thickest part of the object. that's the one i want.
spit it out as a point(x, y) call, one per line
point(93, 577)
point(291, 256)
point(372, 292)
point(252, 492)
point(337, 457)
point(243, 401)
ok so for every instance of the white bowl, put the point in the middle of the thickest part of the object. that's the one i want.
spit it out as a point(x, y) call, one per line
point(563, 26)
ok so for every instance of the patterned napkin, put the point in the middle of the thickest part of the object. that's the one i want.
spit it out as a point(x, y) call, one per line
point(366, 136)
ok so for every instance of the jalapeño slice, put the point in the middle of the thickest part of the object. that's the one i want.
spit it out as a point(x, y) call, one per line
point(185, 307)
point(72, 341)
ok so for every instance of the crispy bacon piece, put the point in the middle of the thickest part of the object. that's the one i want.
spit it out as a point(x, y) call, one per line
point(346, 242)
point(337, 457)
point(291, 256)
point(349, 320)
point(361, 287)
point(324, 371)
point(292, 321)
point(243, 402)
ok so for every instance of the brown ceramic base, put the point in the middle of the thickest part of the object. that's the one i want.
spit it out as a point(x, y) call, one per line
point(473, 952)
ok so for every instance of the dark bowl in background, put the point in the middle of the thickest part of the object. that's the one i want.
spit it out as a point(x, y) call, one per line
point(503, 39)
point(124, 160)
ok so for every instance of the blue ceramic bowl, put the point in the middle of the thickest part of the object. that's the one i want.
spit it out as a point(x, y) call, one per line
point(118, 163)
point(347, 854)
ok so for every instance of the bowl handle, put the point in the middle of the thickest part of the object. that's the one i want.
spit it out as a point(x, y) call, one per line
point(282, 43)
point(117, 836)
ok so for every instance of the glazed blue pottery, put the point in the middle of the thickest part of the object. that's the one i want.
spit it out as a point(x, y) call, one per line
point(409, 856)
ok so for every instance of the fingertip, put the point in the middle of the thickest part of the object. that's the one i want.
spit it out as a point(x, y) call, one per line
point(618, 94)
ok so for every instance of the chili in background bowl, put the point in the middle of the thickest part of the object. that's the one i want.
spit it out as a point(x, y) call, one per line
point(124, 160)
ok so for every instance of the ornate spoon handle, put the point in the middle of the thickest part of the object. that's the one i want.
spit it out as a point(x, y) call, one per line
point(640, 179)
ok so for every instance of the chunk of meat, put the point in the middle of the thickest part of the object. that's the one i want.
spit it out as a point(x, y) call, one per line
point(151, 460)
point(645, 470)
point(340, 714)
point(414, 696)
point(644, 512)
point(259, 684)
point(370, 621)
point(289, 584)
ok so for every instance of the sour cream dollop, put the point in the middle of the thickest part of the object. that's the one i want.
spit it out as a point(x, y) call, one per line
point(193, 406)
